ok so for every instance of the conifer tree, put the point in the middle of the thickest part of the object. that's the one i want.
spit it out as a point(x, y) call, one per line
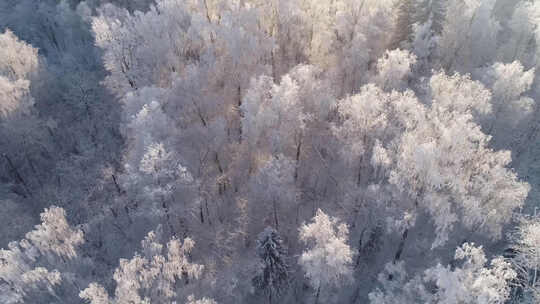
point(273, 278)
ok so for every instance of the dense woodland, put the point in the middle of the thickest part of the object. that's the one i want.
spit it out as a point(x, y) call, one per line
point(269, 151)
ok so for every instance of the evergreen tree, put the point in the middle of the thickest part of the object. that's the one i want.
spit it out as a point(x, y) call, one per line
point(273, 278)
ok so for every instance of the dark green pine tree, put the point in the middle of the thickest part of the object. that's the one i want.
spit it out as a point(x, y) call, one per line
point(273, 277)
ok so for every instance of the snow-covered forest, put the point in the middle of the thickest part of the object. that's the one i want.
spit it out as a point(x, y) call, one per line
point(269, 151)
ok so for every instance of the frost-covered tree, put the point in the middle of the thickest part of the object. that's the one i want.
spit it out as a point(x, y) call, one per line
point(479, 283)
point(526, 258)
point(150, 277)
point(328, 263)
point(473, 281)
point(286, 125)
point(436, 155)
point(520, 29)
point(423, 43)
point(44, 267)
point(469, 35)
point(372, 121)
point(398, 138)
point(427, 19)
point(21, 129)
point(509, 84)
point(413, 121)
point(394, 69)
point(19, 60)
point(273, 186)
point(191, 300)
point(429, 11)
point(273, 277)
point(397, 286)
point(55, 146)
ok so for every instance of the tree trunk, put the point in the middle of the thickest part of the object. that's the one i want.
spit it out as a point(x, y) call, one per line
point(240, 132)
point(201, 214)
point(355, 295)
point(118, 189)
point(359, 175)
point(298, 151)
point(359, 256)
point(274, 69)
point(275, 215)
point(17, 175)
point(218, 163)
point(165, 207)
point(401, 245)
point(317, 295)
point(207, 212)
